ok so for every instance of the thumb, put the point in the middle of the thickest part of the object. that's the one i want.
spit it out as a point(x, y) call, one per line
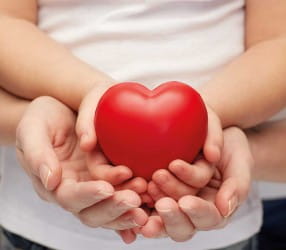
point(214, 141)
point(36, 153)
point(85, 122)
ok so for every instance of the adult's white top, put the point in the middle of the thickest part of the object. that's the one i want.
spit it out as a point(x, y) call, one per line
point(149, 41)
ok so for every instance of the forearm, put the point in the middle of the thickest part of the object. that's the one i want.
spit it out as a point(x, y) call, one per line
point(268, 145)
point(11, 111)
point(32, 65)
point(252, 88)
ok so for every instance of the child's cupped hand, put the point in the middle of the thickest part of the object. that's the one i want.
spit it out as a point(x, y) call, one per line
point(99, 167)
point(182, 178)
point(120, 177)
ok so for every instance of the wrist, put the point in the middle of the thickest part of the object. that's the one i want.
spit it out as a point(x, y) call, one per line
point(74, 92)
point(13, 115)
point(252, 136)
point(219, 106)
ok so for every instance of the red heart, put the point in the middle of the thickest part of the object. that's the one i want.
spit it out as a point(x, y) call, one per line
point(147, 129)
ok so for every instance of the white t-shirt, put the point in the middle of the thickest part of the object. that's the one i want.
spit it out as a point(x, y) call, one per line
point(149, 41)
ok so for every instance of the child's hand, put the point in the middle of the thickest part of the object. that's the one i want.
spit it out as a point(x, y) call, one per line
point(214, 203)
point(85, 121)
point(181, 179)
point(48, 149)
point(120, 176)
point(214, 141)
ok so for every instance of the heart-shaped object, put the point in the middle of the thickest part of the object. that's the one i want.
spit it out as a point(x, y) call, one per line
point(147, 129)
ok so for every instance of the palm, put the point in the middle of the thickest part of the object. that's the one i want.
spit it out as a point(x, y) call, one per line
point(214, 203)
point(74, 162)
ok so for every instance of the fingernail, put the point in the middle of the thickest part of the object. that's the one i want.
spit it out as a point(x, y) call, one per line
point(162, 178)
point(104, 194)
point(232, 204)
point(124, 204)
point(45, 174)
point(164, 211)
point(133, 223)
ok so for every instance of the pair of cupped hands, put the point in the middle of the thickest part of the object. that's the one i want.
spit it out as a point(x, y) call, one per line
point(58, 150)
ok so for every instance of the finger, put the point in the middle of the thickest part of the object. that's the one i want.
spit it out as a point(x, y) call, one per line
point(177, 224)
point(128, 236)
point(170, 185)
point(227, 199)
point(38, 154)
point(131, 219)
point(85, 122)
point(110, 209)
point(147, 199)
point(74, 197)
point(155, 192)
point(154, 228)
point(214, 141)
point(203, 214)
point(136, 230)
point(42, 192)
point(237, 173)
point(196, 175)
point(97, 157)
point(137, 184)
point(114, 175)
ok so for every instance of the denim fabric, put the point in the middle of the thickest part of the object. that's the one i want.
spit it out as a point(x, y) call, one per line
point(273, 232)
point(10, 241)
point(250, 244)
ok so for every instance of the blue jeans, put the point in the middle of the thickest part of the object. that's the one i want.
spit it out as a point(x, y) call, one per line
point(273, 232)
point(10, 241)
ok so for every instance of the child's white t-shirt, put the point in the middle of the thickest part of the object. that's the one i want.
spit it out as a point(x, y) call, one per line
point(150, 41)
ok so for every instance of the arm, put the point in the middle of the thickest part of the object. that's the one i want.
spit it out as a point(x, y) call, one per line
point(268, 145)
point(32, 64)
point(11, 110)
point(253, 85)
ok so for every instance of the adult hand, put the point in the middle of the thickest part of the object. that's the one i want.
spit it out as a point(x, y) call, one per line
point(48, 149)
point(213, 204)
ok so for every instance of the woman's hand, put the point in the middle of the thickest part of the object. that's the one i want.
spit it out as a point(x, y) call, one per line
point(213, 204)
point(48, 150)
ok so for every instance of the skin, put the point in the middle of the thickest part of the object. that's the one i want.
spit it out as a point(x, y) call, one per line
point(259, 72)
point(35, 64)
point(62, 173)
point(59, 170)
point(215, 201)
point(259, 97)
point(17, 76)
point(268, 42)
point(181, 215)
